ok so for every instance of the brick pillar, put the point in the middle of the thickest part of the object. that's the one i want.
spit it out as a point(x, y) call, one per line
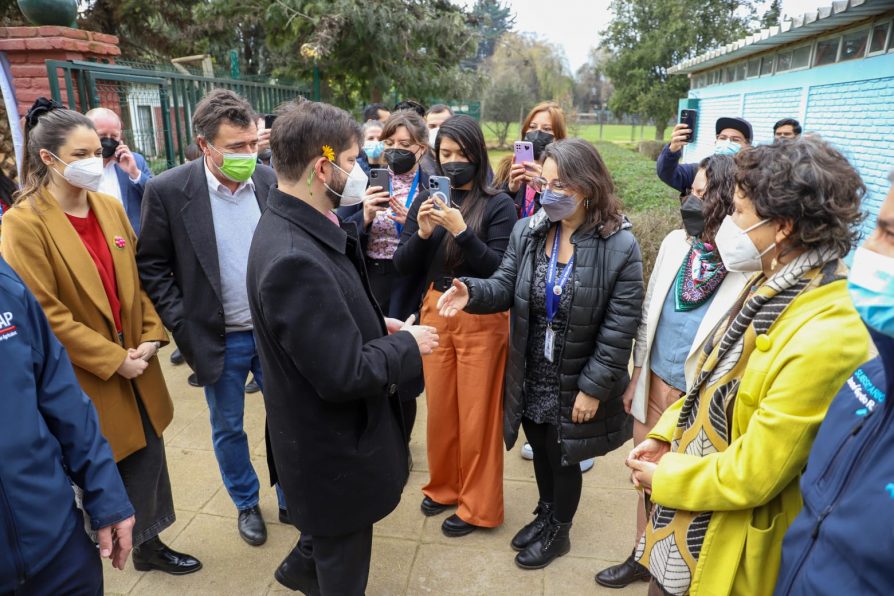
point(28, 49)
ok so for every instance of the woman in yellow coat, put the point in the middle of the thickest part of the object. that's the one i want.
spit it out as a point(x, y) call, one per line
point(75, 249)
point(723, 463)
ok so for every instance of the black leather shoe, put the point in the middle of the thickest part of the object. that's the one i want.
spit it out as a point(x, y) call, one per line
point(284, 516)
point(193, 380)
point(252, 527)
point(297, 572)
point(252, 386)
point(530, 532)
point(430, 507)
point(454, 527)
point(177, 358)
point(552, 543)
point(154, 554)
point(624, 574)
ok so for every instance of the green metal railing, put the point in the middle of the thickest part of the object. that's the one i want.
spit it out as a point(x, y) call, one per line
point(155, 105)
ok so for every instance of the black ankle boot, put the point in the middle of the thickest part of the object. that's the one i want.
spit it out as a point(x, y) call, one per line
point(552, 543)
point(623, 574)
point(530, 532)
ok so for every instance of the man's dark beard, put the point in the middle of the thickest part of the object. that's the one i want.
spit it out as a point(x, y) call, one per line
point(335, 198)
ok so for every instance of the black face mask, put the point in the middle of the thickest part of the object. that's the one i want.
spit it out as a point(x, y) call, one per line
point(693, 216)
point(460, 173)
point(400, 161)
point(540, 140)
point(108, 146)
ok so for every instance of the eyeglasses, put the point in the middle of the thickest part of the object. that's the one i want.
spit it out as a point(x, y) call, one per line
point(540, 184)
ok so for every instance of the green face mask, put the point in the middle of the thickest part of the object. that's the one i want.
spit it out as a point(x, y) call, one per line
point(238, 167)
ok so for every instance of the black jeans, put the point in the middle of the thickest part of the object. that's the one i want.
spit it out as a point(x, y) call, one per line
point(557, 484)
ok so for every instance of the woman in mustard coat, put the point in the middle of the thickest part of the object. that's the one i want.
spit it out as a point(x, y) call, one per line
point(75, 249)
point(723, 463)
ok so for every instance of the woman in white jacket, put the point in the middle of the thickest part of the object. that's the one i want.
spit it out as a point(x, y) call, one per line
point(689, 293)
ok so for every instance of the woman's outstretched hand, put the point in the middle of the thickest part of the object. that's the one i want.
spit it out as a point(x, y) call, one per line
point(453, 300)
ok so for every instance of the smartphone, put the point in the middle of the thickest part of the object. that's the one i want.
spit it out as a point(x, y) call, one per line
point(689, 118)
point(440, 186)
point(380, 177)
point(524, 151)
point(268, 120)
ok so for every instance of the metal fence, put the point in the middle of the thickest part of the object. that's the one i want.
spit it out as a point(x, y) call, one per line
point(155, 105)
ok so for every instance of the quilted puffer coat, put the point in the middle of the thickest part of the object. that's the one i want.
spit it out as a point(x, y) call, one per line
point(605, 311)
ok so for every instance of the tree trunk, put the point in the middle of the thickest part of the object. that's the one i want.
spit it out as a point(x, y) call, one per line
point(660, 127)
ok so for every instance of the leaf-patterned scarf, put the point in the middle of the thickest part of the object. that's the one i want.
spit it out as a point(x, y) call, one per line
point(673, 539)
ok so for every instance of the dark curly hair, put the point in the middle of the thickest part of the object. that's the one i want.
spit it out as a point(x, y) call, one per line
point(720, 171)
point(808, 183)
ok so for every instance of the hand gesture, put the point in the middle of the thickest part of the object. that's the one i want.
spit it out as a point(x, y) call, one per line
point(376, 200)
point(133, 366)
point(398, 211)
point(126, 161)
point(679, 137)
point(393, 325)
point(453, 300)
point(447, 217)
point(585, 407)
point(145, 351)
point(115, 542)
point(651, 450)
point(426, 337)
point(424, 219)
point(642, 474)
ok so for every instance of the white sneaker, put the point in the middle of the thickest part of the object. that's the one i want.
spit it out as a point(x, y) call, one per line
point(527, 452)
point(587, 464)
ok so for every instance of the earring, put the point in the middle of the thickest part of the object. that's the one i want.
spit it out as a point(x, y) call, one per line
point(587, 204)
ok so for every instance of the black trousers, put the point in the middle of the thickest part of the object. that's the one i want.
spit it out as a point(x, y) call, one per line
point(341, 562)
point(75, 571)
point(557, 484)
point(146, 480)
point(382, 277)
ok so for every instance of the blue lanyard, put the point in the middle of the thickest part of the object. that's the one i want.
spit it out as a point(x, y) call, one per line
point(410, 196)
point(554, 288)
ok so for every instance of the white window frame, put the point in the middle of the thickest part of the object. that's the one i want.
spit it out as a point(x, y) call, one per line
point(885, 44)
point(849, 32)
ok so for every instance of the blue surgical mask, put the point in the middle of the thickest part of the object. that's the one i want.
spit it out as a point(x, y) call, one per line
point(557, 205)
point(871, 285)
point(373, 149)
point(726, 147)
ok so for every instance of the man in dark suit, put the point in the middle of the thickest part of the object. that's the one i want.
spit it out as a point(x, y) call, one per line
point(125, 173)
point(332, 363)
point(198, 222)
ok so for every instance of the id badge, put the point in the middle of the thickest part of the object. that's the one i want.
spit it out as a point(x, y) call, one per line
point(550, 344)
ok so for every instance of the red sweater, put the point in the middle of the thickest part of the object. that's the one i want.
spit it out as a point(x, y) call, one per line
point(91, 234)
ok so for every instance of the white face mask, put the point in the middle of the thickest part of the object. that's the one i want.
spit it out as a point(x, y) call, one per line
point(355, 187)
point(737, 250)
point(83, 173)
point(433, 136)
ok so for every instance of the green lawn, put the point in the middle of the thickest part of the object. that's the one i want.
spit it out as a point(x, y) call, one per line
point(617, 133)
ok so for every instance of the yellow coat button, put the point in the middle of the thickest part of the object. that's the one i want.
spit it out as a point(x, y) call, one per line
point(763, 342)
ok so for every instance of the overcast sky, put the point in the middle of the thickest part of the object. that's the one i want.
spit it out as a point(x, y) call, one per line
point(575, 24)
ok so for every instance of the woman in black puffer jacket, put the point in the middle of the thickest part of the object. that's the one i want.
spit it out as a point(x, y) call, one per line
point(571, 337)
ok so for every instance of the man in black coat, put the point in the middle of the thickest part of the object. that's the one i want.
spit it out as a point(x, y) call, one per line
point(197, 224)
point(332, 363)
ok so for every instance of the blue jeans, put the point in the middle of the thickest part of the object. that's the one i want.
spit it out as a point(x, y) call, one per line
point(226, 404)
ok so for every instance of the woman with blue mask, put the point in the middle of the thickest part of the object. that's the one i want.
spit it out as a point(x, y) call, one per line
point(841, 542)
point(373, 147)
point(723, 463)
point(690, 292)
point(573, 277)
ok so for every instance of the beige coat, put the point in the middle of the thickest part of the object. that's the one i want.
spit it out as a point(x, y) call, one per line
point(674, 249)
point(43, 247)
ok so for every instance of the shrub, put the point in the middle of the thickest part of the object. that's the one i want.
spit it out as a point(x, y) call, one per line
point(650, 227)
point(638, 185)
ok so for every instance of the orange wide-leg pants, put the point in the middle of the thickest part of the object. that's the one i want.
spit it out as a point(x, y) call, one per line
point(464, 391)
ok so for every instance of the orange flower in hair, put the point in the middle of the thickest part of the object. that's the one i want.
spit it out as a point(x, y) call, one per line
point(329, 153)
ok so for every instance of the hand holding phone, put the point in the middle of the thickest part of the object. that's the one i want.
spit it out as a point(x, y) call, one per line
point(688, 120)
point(524, 151)
point(439, 186)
